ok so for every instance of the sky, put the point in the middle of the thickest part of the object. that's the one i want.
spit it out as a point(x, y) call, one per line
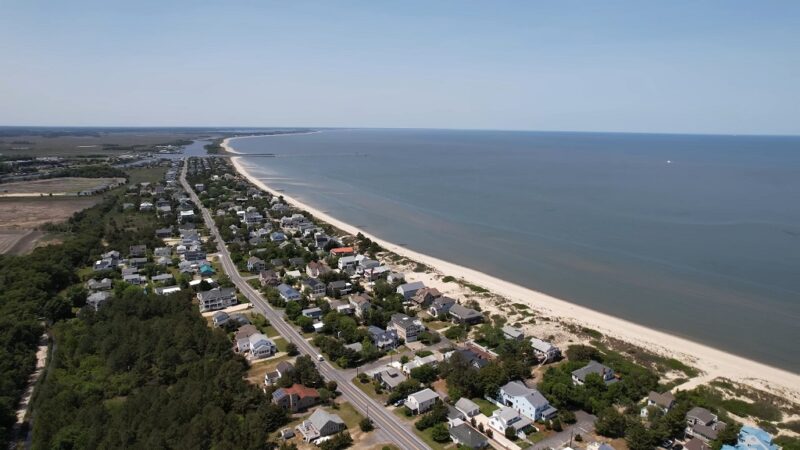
point(726, 66)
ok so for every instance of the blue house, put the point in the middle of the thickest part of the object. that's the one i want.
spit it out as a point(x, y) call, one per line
point(206, 269)
point(288, 293)
point(752, 438)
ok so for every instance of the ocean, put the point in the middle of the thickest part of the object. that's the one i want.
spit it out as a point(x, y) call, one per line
point(696, 235)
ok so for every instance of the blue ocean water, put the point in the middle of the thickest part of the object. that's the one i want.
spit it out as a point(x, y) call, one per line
point(691, 234)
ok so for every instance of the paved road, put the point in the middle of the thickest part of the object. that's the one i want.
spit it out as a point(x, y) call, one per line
point(386, 423)
point(584, 425)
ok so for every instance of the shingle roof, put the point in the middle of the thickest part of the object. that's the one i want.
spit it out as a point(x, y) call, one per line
point(467, 436)
point(424, 395)
point(320, 418)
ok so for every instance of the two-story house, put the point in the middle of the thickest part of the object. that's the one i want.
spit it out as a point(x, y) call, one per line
point(407, 328)
point(217, 298)
point(527, 401)
point(422, 401)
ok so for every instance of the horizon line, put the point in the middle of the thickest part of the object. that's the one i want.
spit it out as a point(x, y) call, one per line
point(529, 130)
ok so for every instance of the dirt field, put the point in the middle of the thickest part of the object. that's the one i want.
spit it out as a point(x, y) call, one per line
point(29, 213)
point(19, 242)
point(56, 186)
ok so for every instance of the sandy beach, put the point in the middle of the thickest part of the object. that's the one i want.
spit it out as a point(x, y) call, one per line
point(713, 362)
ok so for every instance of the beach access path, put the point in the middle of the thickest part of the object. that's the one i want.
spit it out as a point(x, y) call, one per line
point(385, 422)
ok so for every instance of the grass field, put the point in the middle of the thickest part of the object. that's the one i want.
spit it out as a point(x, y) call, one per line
point(98, 142)
point(146, 174)
point(55, 186)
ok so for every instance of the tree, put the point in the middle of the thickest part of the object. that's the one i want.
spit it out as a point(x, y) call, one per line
point(610, 423)
point(510, 434)
point(339, 441)
point(557, 424)
point(583, 353)
point(727, 436)
point(291, 349)
point(425, 374)
point(638, 437)
point(305, 323)
point(440, 433)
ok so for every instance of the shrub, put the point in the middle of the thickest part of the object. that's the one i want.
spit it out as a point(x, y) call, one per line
point(366, 425)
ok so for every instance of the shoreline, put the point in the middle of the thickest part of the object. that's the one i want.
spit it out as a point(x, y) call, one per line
point(713, 362)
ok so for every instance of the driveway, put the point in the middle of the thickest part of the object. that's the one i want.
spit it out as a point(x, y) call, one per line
point(584, 425)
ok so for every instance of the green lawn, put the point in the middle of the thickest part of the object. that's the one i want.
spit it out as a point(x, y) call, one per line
point(270, 331)
point(349, 414)
point(487, 407)
point(426, 436)
point(280, 343)
point(370, 390)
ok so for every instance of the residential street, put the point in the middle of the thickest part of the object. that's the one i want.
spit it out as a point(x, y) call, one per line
point(385, 422)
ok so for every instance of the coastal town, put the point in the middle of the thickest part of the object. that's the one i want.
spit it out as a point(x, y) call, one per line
point(354, 345)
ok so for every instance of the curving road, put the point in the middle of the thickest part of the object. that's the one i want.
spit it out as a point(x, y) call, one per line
point(385, 422)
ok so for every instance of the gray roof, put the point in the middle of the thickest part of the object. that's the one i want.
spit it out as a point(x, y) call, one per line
point(402, 320)
point(320, 418)
point(424, 395)
point(518, 389)
point(592, 367)
point(463, 312)
point(701, 414)
point(511, 331)
point(542, 346)
point(467, 436)
point(465, 404)
point(664, 400)
point(412, 286)
point(216, 293)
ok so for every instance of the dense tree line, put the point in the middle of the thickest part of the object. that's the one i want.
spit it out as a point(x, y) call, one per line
point(93, 171)
point(31, 295)
point(146, 372)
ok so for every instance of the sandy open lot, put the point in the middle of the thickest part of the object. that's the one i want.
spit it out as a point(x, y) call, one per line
point(29, 213)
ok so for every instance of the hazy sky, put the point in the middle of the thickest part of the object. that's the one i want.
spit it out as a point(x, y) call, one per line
point(662, 66)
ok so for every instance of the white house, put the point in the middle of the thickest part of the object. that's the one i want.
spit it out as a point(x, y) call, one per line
point(528, 402)
point(545, 350)
point(261, 346)
point(409, 289)
point(422, 401)
point(506, 417)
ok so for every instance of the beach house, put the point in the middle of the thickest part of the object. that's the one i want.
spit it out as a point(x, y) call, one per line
point(545, 351)
point(594, 367)
point(703, 424)
point(408, 290)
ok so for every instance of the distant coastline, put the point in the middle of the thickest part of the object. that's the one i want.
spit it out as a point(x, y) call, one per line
point(713, 362)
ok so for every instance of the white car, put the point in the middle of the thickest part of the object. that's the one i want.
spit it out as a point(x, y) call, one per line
point(320, 358)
